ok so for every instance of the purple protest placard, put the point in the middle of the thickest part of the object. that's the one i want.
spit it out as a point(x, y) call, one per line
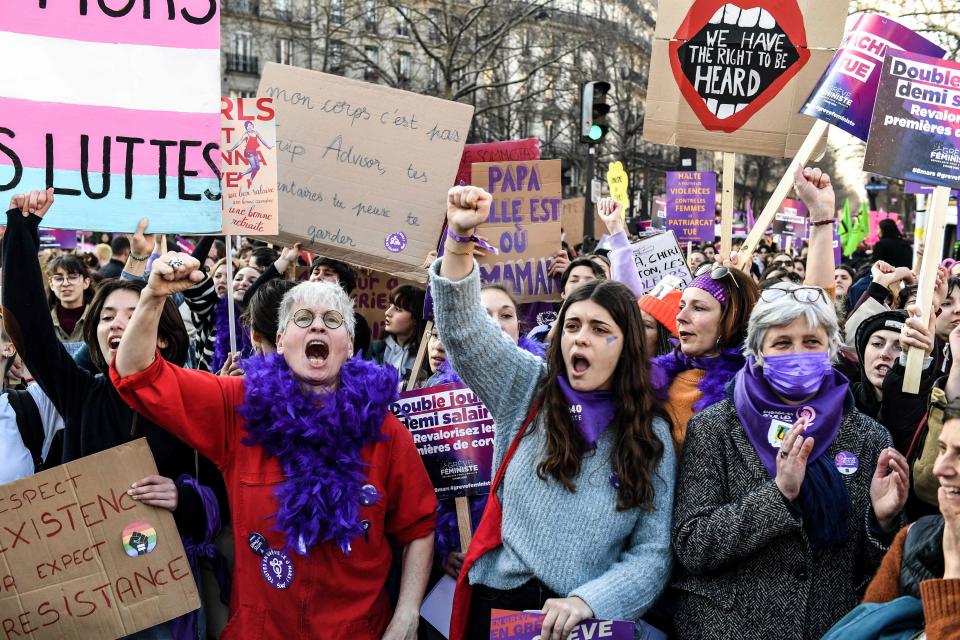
point(845, 95)
point(453, 433)
point(917, 189)
point(913, 133)
point(58, 239)
point(692, 205)
point(519, 625)
point(791, 218)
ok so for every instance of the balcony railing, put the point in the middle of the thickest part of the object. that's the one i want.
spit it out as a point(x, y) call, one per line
point(240, 63)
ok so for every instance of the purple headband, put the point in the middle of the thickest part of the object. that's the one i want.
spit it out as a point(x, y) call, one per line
point(711, 286)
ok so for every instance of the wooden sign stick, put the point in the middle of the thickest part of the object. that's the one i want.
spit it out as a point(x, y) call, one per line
point(421, 354)
point(786, 182)
point(464, 522)
point(932, 249)
point(919, 225)
point(726, 203)
point(163, 245)
point(689, 249)
point(231, 312)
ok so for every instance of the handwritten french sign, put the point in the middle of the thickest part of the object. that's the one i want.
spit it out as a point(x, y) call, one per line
point(364, 169)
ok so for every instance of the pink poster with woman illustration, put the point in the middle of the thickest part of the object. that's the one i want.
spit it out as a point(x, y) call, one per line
point(248, 149)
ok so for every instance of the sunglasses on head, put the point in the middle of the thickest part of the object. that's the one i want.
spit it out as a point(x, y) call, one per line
point(716, 273)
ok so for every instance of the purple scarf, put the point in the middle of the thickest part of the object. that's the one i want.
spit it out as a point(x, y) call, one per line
point(766, 418)
point(590, 411)
point(221, 336)
point(718, 373)
point(823, 502)
point(317, 439)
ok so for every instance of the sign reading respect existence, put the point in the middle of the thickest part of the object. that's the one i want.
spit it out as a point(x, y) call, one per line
point(918, 114)
point(657, 256)
point(845, 95)
point(248, 148)
point(692, 205)
point(364, 169)
point(453, 432)
point(524, 224)
point(115, 108)
point(732, 75)
point(80, 559)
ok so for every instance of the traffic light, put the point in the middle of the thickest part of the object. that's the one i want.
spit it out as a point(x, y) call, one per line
point(593, 111)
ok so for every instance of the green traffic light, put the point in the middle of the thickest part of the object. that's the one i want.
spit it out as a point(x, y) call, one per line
point(596, 132)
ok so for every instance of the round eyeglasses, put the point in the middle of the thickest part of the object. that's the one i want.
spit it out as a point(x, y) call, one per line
point(808, 295)
point(304, 318)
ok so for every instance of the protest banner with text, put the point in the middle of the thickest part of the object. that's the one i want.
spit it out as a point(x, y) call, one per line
point(116, 109)
point(692, 205)
point(453, 432)
point(248, 146)
point(526, 625)
point(791, 219)
point(734, 79)
point(659, 255)
point(524, 224)
point(917, 113)
point(364, 169)
point(505, 151)
point(845, 95)
point(82, 559)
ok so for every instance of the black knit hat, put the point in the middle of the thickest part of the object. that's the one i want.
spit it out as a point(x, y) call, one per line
point(889, 320)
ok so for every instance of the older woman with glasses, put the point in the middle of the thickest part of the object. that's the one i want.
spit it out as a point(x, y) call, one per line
point(321, 477)
point(788, 497)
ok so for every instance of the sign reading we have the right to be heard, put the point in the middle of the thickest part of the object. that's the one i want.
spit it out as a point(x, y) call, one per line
point(364, 169)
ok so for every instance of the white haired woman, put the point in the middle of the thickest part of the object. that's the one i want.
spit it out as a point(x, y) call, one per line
point(788, 496)
point(318, 471)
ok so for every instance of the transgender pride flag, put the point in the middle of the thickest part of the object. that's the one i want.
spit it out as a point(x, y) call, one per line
point(116, 105)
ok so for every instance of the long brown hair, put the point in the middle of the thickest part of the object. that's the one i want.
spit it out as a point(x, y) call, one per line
point(638, 449)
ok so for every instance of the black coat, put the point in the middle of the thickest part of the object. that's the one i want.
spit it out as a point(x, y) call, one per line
point(95, 417)
point(895, 251)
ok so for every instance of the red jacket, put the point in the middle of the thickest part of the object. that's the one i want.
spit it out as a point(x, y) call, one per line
point(332, 595)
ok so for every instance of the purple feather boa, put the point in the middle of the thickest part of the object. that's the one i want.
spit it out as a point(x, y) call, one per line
point(719, 372)
point(317, 439)
point(221, 336)
point(445, 373)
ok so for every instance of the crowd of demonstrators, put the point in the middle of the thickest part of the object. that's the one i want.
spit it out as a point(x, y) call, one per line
point(741, 446)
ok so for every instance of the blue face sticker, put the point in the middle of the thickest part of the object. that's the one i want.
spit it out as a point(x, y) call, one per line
point(612, 339)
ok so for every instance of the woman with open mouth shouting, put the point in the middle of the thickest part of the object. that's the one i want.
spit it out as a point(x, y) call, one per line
point(788, 496)
point(578, 440)
point(321, 477)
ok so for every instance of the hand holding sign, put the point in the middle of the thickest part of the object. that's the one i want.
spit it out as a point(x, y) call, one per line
point(611, 212)
point(141, 244)
point(915, 334)
point(467, 207)
point(563, 614)
point(156, 491)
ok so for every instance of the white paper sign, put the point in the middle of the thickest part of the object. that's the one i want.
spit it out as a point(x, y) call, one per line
point(658, 256)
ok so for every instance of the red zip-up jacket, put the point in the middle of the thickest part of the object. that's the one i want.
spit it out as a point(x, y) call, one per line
point(332, 595)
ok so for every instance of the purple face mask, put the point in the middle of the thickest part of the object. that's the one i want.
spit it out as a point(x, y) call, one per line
point(796, 376)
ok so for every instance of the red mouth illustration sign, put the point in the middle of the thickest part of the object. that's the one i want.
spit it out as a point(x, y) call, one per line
point(730, 58)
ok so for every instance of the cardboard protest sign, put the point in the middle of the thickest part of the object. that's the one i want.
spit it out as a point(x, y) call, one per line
point(520, 625)
point(506, 151)
point(116, 109)
point(453, 432)
point(371, 297)
point(571, 220)
point(845, 95)
point(917, 113)
point(733, 75)
point(691, 207)
point(248, 148)
point(619, 185)
point(524, 224)
point(81, 559)
point(657, 256)
point(364, 169)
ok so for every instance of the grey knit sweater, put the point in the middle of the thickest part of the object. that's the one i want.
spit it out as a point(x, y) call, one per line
point(577, 544)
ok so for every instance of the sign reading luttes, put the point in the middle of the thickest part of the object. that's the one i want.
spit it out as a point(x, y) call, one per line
point(364, 169)
point(732, 75)
point(116, 108)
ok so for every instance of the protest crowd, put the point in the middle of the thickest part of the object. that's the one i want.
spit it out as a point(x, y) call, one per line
point(341, 399)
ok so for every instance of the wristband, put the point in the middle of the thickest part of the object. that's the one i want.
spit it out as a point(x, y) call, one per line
point(483, 244)
point(820, 223)
point(137, 258)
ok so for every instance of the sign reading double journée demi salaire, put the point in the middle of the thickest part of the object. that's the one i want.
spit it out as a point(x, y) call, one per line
point(524, 225)
point(917, 115)
point(692, 205)
point(845, 95)
point(116, 109)
point(453, 433)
